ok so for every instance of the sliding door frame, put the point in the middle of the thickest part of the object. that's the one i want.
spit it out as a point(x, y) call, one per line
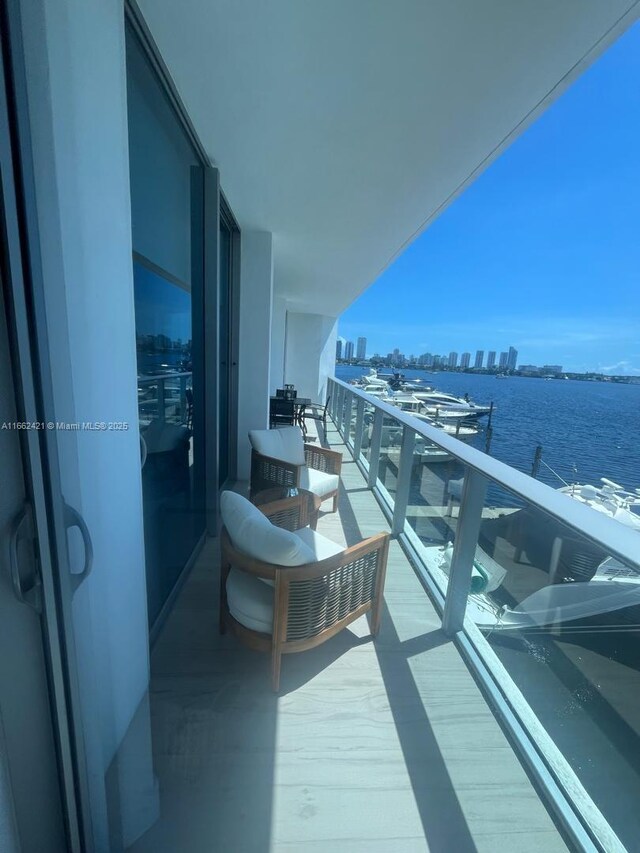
point(35, 404)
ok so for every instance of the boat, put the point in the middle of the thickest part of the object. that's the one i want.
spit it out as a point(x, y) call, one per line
point(599, 586)
point(449, 402)
point(370, 379)
point(613, 588)
point(413, 405)
point(611, 499)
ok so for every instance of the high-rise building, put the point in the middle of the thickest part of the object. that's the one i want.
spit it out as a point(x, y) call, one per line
point(361, 349)
point(491, 359)
point(479, 358)
point(453, 359)
point(338, 349)
point(512, 358)
point(465, 358)
point(504, 359)
point(348, 351)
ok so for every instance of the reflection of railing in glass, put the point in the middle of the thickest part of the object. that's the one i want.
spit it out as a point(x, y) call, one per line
point(164, 397)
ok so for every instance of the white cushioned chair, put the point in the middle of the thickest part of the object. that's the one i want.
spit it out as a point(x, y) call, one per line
point(279, 457)
point(286, 588)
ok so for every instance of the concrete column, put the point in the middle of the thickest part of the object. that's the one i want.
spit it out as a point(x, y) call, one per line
point(256, 296)
point(310, 353)
point(278, 334)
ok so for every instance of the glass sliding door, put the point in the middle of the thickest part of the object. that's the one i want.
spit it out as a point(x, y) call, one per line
point(167, 220)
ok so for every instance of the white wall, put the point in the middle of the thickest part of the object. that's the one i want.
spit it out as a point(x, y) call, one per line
point(256, 292)
point(278, 333)
point(76, 73)
point(310, 353)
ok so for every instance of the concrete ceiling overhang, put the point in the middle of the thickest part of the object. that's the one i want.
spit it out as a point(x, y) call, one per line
point(344, 127)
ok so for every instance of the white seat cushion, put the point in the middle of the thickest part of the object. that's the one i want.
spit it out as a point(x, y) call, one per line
point(319, 544)
point(285, 443)
point(252, 533)
point(250, 601)
point(318, 482)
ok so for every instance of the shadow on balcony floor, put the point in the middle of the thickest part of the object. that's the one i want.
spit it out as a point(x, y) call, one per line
point(385, 747)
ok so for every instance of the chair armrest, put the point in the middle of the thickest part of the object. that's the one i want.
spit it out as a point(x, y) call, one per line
point(322, 459)
point(267, 472)
point(290, 513)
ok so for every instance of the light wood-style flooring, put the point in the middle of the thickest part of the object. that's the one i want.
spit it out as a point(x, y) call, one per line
point(385, 747)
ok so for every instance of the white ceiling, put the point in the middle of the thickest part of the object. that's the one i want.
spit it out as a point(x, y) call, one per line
point(345, 126)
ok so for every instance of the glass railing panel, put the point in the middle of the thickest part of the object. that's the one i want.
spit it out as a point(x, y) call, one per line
point(562, 616)
point(390, 446)
point(149, 405)
point(433, 507)
point(367, 430)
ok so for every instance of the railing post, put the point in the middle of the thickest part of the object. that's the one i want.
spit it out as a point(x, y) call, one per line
point(183, 399)
point(374, 448)
point(340, 412)
point(474, 490)
point(160, 399)
point(403, 483)
point(332, 390)
point(357, 439)
point(348, 409)
point(336, 404)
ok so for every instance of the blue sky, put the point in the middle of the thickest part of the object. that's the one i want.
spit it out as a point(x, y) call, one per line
point(542, 252)
point(162, 308)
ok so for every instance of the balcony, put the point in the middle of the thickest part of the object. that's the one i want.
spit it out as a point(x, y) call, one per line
point(369, 746)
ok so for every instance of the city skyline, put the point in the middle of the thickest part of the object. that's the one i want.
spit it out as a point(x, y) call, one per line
point(348, 351)
point(540, 250)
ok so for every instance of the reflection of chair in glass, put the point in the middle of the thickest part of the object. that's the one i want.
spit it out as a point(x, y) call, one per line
point(282, 412)
point(317, 412)
point(279, 457)
point(286, 588)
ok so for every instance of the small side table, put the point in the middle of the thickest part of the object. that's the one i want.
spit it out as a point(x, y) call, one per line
point(279, 493)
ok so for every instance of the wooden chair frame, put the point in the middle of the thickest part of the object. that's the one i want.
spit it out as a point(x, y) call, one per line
point(267, 472)
point(371, 555)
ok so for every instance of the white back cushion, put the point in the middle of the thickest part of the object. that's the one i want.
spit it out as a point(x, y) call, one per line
point(252, 533)
point(285, 443)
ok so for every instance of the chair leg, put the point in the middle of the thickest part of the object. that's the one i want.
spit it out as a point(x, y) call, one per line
point(376, 616)
point(335, 503)
point(276, 660)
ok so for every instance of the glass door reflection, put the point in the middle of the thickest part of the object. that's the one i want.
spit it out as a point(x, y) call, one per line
point(173, 512)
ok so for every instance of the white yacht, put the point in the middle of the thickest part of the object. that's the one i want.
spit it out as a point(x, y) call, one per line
point(441, 401)
point(411, 404)
point(610, 498)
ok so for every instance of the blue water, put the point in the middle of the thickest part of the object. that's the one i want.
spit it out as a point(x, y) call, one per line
point(587, 430)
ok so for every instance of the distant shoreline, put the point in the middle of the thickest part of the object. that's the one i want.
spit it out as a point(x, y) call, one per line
point(580, 377)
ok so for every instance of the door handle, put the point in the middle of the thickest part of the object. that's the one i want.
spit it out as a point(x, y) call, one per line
point(23, 528)
point(72, 518)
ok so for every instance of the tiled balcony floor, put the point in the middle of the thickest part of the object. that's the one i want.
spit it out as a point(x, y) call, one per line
point(369, 747)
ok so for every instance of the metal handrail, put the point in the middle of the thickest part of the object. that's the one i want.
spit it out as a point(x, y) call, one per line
point(157, 377)
point(613, 537)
